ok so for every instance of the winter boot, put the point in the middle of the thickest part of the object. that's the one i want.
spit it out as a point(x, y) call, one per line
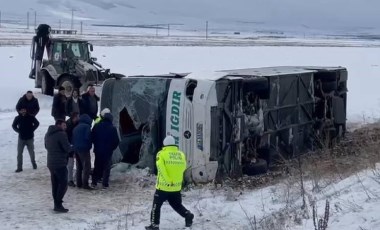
point(87, 187)
point(152, 227)
point(18, 170)
point(105, 186)
point(71, 183)
point(34, 166)
point(189, 219)
point(60, 208)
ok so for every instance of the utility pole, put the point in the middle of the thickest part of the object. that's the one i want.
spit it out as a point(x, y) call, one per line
point(168, 30)
point(27, 20)
point(206, 30)
point(35, 19)
point(81, 27)
point(72, 19)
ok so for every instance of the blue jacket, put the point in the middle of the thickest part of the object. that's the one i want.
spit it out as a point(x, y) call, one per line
point(105, 137)
point(82, 134)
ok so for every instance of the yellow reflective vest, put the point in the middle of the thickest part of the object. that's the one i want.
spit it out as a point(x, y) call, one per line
point(171, 165)
point(98, 119)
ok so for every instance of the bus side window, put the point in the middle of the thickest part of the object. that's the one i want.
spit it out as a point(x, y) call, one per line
point(190, 89)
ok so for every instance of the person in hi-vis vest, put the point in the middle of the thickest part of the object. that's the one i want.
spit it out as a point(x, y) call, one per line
point(171, 165)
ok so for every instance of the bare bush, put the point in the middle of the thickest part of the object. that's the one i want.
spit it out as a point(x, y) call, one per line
point(281, 220)
point(251, 223)
point(321, 223)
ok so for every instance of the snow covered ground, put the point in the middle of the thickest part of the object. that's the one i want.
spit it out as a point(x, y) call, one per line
point(25, 198)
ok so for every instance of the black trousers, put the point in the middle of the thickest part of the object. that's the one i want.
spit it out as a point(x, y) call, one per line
point(58, 184)
point(175, 201)
point(83, 168)
point(102, 169)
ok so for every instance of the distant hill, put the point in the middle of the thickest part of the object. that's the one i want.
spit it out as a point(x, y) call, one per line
point(272, 16)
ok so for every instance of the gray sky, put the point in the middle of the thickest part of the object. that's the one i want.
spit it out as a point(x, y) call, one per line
point(348, 15)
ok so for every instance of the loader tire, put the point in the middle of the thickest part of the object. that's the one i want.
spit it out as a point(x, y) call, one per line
point(47, 84)
point(69, 83)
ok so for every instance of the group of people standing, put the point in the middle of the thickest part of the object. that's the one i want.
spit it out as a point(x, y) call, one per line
point(86, 103)
point(69, 140)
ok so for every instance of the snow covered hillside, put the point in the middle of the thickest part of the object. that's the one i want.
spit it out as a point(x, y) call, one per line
point(290, 16)
point(25, 198)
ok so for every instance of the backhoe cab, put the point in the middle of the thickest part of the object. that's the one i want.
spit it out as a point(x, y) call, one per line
point(68, 64)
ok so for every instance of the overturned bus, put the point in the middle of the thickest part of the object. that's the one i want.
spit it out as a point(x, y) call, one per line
point(228, 122)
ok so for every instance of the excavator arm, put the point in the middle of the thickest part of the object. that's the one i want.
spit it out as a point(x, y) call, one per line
point(39, 42)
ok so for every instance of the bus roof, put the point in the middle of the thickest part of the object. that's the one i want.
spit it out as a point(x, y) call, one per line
point(244, 73)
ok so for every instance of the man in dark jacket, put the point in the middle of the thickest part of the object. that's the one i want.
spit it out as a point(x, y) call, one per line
point(58, 110)
point(28, 102)
point(106, 140)
point(25, 125)
point(82, 145)
point(74, 103)
point(90, 103)
point(58, 148)
point(71, 123)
